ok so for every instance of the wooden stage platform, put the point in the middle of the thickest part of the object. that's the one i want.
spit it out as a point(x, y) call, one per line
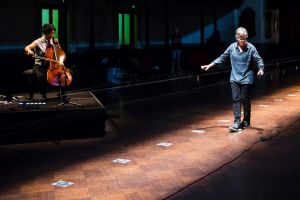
point(23, 120)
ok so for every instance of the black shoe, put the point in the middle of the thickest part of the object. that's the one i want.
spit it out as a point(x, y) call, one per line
point(44, 97)
point(30, 96)
point(245, 124)
point(66, 99)
point(235, 127)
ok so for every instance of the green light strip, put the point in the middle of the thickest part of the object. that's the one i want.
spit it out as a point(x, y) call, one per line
point(120, 18)
point(126, 29)
point(55, 21)
point(45, 16)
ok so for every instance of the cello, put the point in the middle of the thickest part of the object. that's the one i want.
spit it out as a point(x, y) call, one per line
point(57, 74)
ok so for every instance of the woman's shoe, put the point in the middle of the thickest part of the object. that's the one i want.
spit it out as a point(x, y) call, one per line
point(235, 127)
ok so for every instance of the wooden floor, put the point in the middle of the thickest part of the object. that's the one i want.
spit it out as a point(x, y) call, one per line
point(150, 151)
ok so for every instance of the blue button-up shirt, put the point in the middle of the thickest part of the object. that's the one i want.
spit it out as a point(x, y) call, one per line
point(242, 63)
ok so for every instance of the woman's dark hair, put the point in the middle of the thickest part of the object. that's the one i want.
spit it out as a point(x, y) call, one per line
point(48, 28)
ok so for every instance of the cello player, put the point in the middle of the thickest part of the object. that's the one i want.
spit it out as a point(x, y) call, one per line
point(38, 75)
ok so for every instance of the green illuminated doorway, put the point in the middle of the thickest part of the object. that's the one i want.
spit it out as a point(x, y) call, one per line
point(127, 29)
point(51, 15)
point(124, 29)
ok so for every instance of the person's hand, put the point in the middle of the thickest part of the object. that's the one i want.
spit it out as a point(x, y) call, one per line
point(55, 41)
point(260, 73)
point(205, 67)
point(30, 52)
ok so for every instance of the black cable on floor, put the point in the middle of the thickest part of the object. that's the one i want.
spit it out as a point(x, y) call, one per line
point(262, 139)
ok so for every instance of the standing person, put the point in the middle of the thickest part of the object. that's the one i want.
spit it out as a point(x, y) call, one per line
point(176, 50)
point(37, 48)
point(243, 57)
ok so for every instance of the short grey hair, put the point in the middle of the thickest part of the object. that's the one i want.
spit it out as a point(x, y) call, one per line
point(241, 31)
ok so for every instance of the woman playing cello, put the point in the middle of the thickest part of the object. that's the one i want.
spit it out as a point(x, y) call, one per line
point(38, 47)
point(49, 64)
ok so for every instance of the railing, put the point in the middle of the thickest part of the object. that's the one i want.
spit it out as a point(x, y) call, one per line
point(168, 84)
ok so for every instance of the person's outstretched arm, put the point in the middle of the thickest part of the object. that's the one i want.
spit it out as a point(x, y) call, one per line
point(207, 67)
point(259, 63)
point(220, 60)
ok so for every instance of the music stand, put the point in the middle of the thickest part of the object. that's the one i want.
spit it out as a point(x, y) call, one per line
point(61, 95)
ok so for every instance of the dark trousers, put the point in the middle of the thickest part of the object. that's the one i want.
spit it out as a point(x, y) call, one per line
point(37, 77)
point(241, 95)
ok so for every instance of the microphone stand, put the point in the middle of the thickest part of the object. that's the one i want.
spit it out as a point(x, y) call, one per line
point(63, 97)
